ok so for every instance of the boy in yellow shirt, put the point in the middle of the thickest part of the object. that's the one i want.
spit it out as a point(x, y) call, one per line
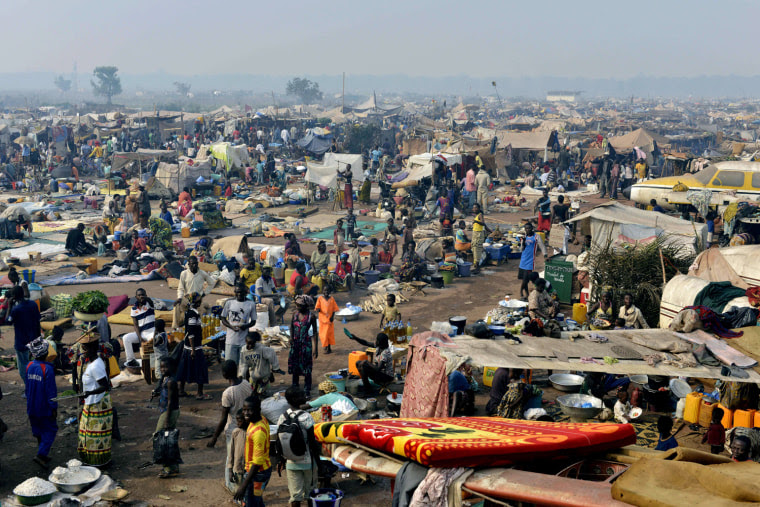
point(258, 467)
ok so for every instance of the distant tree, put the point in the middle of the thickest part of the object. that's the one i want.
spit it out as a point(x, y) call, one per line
point(108, 83)
point(305, 89)
point(360, 138)
point(62, 84)
point(182, 88)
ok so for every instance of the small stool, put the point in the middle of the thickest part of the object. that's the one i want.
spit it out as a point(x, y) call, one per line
point(418, 287)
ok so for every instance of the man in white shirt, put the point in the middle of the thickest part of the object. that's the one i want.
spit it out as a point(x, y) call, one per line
point(285, 135)
point(191, 280)
point(267, 291)
point(143, 320)
point(482, 182)
point(238, 315)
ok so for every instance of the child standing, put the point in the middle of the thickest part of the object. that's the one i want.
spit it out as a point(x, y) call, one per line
point(391, 313)
point(40, 390)
point(716, 433)
point(193, 367)
point(168, 406)
point(326, 308)
point(258, 467)
point(666, 440)
point(350, 224)
point(374, 255)
point(339, 238)
point(236, 463)
point(258, 363)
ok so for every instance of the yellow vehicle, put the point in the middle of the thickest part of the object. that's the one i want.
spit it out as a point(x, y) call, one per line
point(738, 176)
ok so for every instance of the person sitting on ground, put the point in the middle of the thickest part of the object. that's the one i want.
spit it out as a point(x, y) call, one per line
point(622, 408)
point(250, 273)
point(512, 405)
point(386, 256)
point(665, 441)
point(76, 244)
point(380, 369)
point(540, 303)
point(258, 363)
point(138, 248)
point(412, 265)
point(292, 248)
point(462, 243)
point(299, 282)
point(18, 219)
point(631, 314)
point(715, 436)
point(499, 385)
point(740, 448)
point(165, 214)
point(620, 324)
point(600, 313)
point(461, 394)
point(342, 276)
point(320, 259)
point(656, 207)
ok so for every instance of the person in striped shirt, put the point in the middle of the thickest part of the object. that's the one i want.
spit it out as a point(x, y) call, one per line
point(258, 467)
point(143, 320)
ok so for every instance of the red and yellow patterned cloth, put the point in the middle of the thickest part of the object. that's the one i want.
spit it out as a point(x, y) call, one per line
point(477, 441)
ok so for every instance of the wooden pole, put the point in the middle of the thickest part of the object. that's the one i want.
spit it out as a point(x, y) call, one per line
point(343, 97)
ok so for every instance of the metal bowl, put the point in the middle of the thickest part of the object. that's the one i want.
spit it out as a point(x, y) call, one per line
point(639, 380)
point(567, 403)
point(34, 500)
point(349, 317)
point(76, 488)
point(566, 382)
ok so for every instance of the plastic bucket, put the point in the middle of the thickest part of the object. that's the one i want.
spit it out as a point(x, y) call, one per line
point(371, 276)
point(325, 497)
point(338, 380)
point(28, 275)
point(448, 277)
point(117, 235)
point(464, 268)
point(458, 322)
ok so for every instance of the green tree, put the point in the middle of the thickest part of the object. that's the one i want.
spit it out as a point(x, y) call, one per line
point(360, 138)
point(62, 84)
point(305, 89)
point(108, 83)
point(182, 88)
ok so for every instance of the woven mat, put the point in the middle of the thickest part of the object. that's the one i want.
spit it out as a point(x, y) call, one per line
point(645, 426)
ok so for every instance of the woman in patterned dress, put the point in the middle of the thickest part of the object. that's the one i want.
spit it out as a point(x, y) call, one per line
point(301, 345)
point(96, 419)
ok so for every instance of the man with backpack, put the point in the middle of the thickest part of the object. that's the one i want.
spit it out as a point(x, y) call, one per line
point(297, 445)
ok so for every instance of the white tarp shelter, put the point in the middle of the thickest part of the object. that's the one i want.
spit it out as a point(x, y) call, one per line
point(233, 156)
point(177, 176)
point(626, 224)
point(326, 173)
point(421, 166)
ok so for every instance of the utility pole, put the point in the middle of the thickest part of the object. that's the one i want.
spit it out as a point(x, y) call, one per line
point(343, 97)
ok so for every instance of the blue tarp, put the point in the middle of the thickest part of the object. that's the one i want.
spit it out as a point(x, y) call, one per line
point(314, 143)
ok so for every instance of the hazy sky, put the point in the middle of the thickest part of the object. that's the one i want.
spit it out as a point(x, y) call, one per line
point(418, 37)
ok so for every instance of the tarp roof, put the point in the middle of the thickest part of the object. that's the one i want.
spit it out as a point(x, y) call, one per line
point(326, 173)
point(638, 138)
point(122, 158)
point(523, 140)
point(622, 223)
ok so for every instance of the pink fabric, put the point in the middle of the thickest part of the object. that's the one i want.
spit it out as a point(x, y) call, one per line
point(426, 391)
point(117, 304)
point(469, 181)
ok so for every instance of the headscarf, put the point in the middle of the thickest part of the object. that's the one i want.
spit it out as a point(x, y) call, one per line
point(304, 300)
point(194, 298)
point(344, 256)
point(38, 347)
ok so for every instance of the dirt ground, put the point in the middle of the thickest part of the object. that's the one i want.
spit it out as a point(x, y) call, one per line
point(202, 470)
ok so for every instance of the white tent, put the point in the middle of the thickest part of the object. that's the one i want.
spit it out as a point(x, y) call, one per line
point(175, 177)
point(326, 173)
point(233, 156)
point(421, 166)
point(626, 224)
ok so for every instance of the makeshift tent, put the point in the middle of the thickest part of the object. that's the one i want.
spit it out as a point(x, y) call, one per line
point(536, 141)
point(737, 264)
point(421, 166)
point(314, 143)
point(177, 176)
point(231, 245)
point(233, 156)
point(639, 138)
point(122, 158)
point(326, 173)
point(626, 225)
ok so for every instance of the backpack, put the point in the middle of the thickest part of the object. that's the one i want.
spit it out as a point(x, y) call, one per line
point(291, 442)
